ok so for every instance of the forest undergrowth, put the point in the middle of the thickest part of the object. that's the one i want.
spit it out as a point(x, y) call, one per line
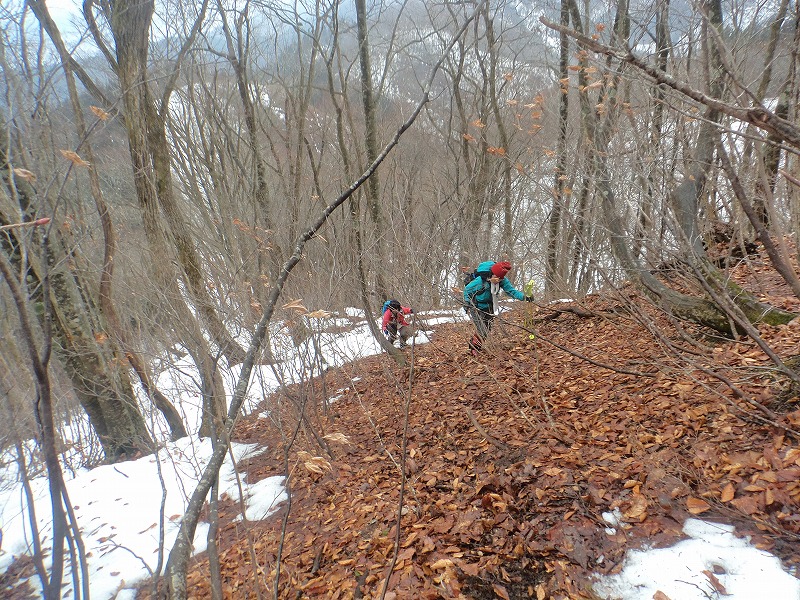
point(512, 458)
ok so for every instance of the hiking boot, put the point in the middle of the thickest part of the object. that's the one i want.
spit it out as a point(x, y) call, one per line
point(403, 345)
point(475, 345)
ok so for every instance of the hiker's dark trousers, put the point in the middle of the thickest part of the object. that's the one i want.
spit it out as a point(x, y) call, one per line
point(482, 319)
point(392, 332)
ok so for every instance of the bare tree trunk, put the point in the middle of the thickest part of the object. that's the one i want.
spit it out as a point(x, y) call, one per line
point(103, 388)
point(22, 467)
point(43, 410)
point(771, 153)
point(107, 306)
point(505, 169)
point(663, 44)
point(554, 220)
point(237, 56)
point(371, 138)
point(130, 23)
point(686, 197)
point(469, 241)
point(685, 201)
point(356, 222)
point(583, 230)
point(771, 159)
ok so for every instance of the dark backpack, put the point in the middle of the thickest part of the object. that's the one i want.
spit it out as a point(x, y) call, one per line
point(468, 277)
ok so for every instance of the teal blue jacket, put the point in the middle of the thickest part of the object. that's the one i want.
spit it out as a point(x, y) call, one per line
point(478, 292)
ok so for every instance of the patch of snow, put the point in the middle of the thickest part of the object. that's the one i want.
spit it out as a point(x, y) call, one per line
point(687, 570)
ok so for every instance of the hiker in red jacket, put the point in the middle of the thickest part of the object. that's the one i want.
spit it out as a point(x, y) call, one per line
point(395, 325)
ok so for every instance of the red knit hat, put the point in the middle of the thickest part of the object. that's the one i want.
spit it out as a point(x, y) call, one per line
point(501, 268)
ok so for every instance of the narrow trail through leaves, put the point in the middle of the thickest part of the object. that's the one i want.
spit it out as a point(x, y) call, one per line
point(512, 458)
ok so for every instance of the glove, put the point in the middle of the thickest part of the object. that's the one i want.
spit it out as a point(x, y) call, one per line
point(528, 289)
point(528, 298)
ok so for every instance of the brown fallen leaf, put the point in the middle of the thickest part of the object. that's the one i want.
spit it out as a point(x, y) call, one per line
point(637, 510)
point(747, 504)
point(659, 595)
point(728, 493)
point(716, 583)
point(337, 437)
point(501, 591)
point(318, 465)
point(405, 554)
point(697, 506)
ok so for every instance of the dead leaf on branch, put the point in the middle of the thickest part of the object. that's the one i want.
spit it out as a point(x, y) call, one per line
point(25, 174)
point(74, 158)
point(100, 113)
point(295, 305)
point(256, 306)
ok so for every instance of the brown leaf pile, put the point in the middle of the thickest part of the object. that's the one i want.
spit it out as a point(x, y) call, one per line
point(510, 460)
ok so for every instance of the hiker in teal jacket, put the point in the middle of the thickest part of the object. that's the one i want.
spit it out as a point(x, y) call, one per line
point(480, 298)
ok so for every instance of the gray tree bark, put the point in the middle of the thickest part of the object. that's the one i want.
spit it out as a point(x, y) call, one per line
point(103, 388)
point(106, 302)
point(552, 270)
point(130, 22)
point(369, 106)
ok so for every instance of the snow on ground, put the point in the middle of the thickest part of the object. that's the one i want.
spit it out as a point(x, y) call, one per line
point(711, 563)
point(118, 506)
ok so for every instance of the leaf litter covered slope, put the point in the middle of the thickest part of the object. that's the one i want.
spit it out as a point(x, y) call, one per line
point(512, 459)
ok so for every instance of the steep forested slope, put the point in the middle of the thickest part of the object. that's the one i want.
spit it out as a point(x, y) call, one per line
point(511, 459)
